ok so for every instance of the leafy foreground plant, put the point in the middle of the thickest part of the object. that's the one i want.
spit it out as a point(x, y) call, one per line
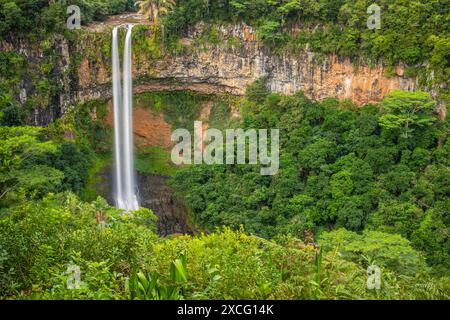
point(41, 240)
point(147, 286)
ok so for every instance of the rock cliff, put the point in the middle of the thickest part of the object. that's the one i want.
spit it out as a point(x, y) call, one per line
point(81, 69)
point(236, 60)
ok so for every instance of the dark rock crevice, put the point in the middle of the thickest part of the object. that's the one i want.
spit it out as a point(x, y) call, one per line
point(154, 194)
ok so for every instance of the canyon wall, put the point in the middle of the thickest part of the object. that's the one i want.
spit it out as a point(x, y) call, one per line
point(230, 66)
point(154, 194)
point(44, 85)
point(82, 69)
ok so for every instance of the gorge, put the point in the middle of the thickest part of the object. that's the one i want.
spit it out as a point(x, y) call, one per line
point(358, 191)
point(225, 66)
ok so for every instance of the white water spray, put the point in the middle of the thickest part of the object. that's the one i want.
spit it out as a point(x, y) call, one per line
point(125, 187)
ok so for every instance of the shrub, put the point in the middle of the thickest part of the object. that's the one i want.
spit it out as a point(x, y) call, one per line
point(387, 250)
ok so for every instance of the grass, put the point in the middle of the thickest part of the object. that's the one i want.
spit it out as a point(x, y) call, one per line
point(155, 160)
point(99, 163)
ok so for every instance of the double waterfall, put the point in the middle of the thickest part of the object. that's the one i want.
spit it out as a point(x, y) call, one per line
point(125, 186)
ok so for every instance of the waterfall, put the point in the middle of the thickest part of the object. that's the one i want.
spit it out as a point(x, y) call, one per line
point(125, 187)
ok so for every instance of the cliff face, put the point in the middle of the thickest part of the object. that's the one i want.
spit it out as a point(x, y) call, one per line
point(156, 195)
point(236, 60)
point(82, 70)
point(43, 85)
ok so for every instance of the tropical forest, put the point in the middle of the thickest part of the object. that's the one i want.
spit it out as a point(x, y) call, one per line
point(224, 150)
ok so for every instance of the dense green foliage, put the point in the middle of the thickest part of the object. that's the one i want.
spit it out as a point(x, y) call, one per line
point(31, 165)
point(39, 238)
point(121, 258)
point(35, 161)
point(338, 169)
point(370, 185)
point(37, 17)
point(374, 247)
point(412, 31)
point(343, 21)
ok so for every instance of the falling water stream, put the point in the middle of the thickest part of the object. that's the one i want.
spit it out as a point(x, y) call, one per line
point(125, 186)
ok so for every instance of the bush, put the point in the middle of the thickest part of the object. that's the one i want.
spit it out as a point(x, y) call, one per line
point(385, 250)
point(338, 168)
point(120, 257)
point(41, 238)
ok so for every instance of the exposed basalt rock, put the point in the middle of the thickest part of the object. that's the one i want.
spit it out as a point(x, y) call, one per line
point(82, 70)
point(149, 128)
point(230, 68)
point(157, 195)
point(45, 105)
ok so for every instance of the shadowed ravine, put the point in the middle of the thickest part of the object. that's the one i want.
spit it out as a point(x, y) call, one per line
point(156, 195)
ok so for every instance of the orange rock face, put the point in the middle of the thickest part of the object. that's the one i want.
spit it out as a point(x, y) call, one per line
point(362, 85)
point(150, 128)
point(230, 68)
